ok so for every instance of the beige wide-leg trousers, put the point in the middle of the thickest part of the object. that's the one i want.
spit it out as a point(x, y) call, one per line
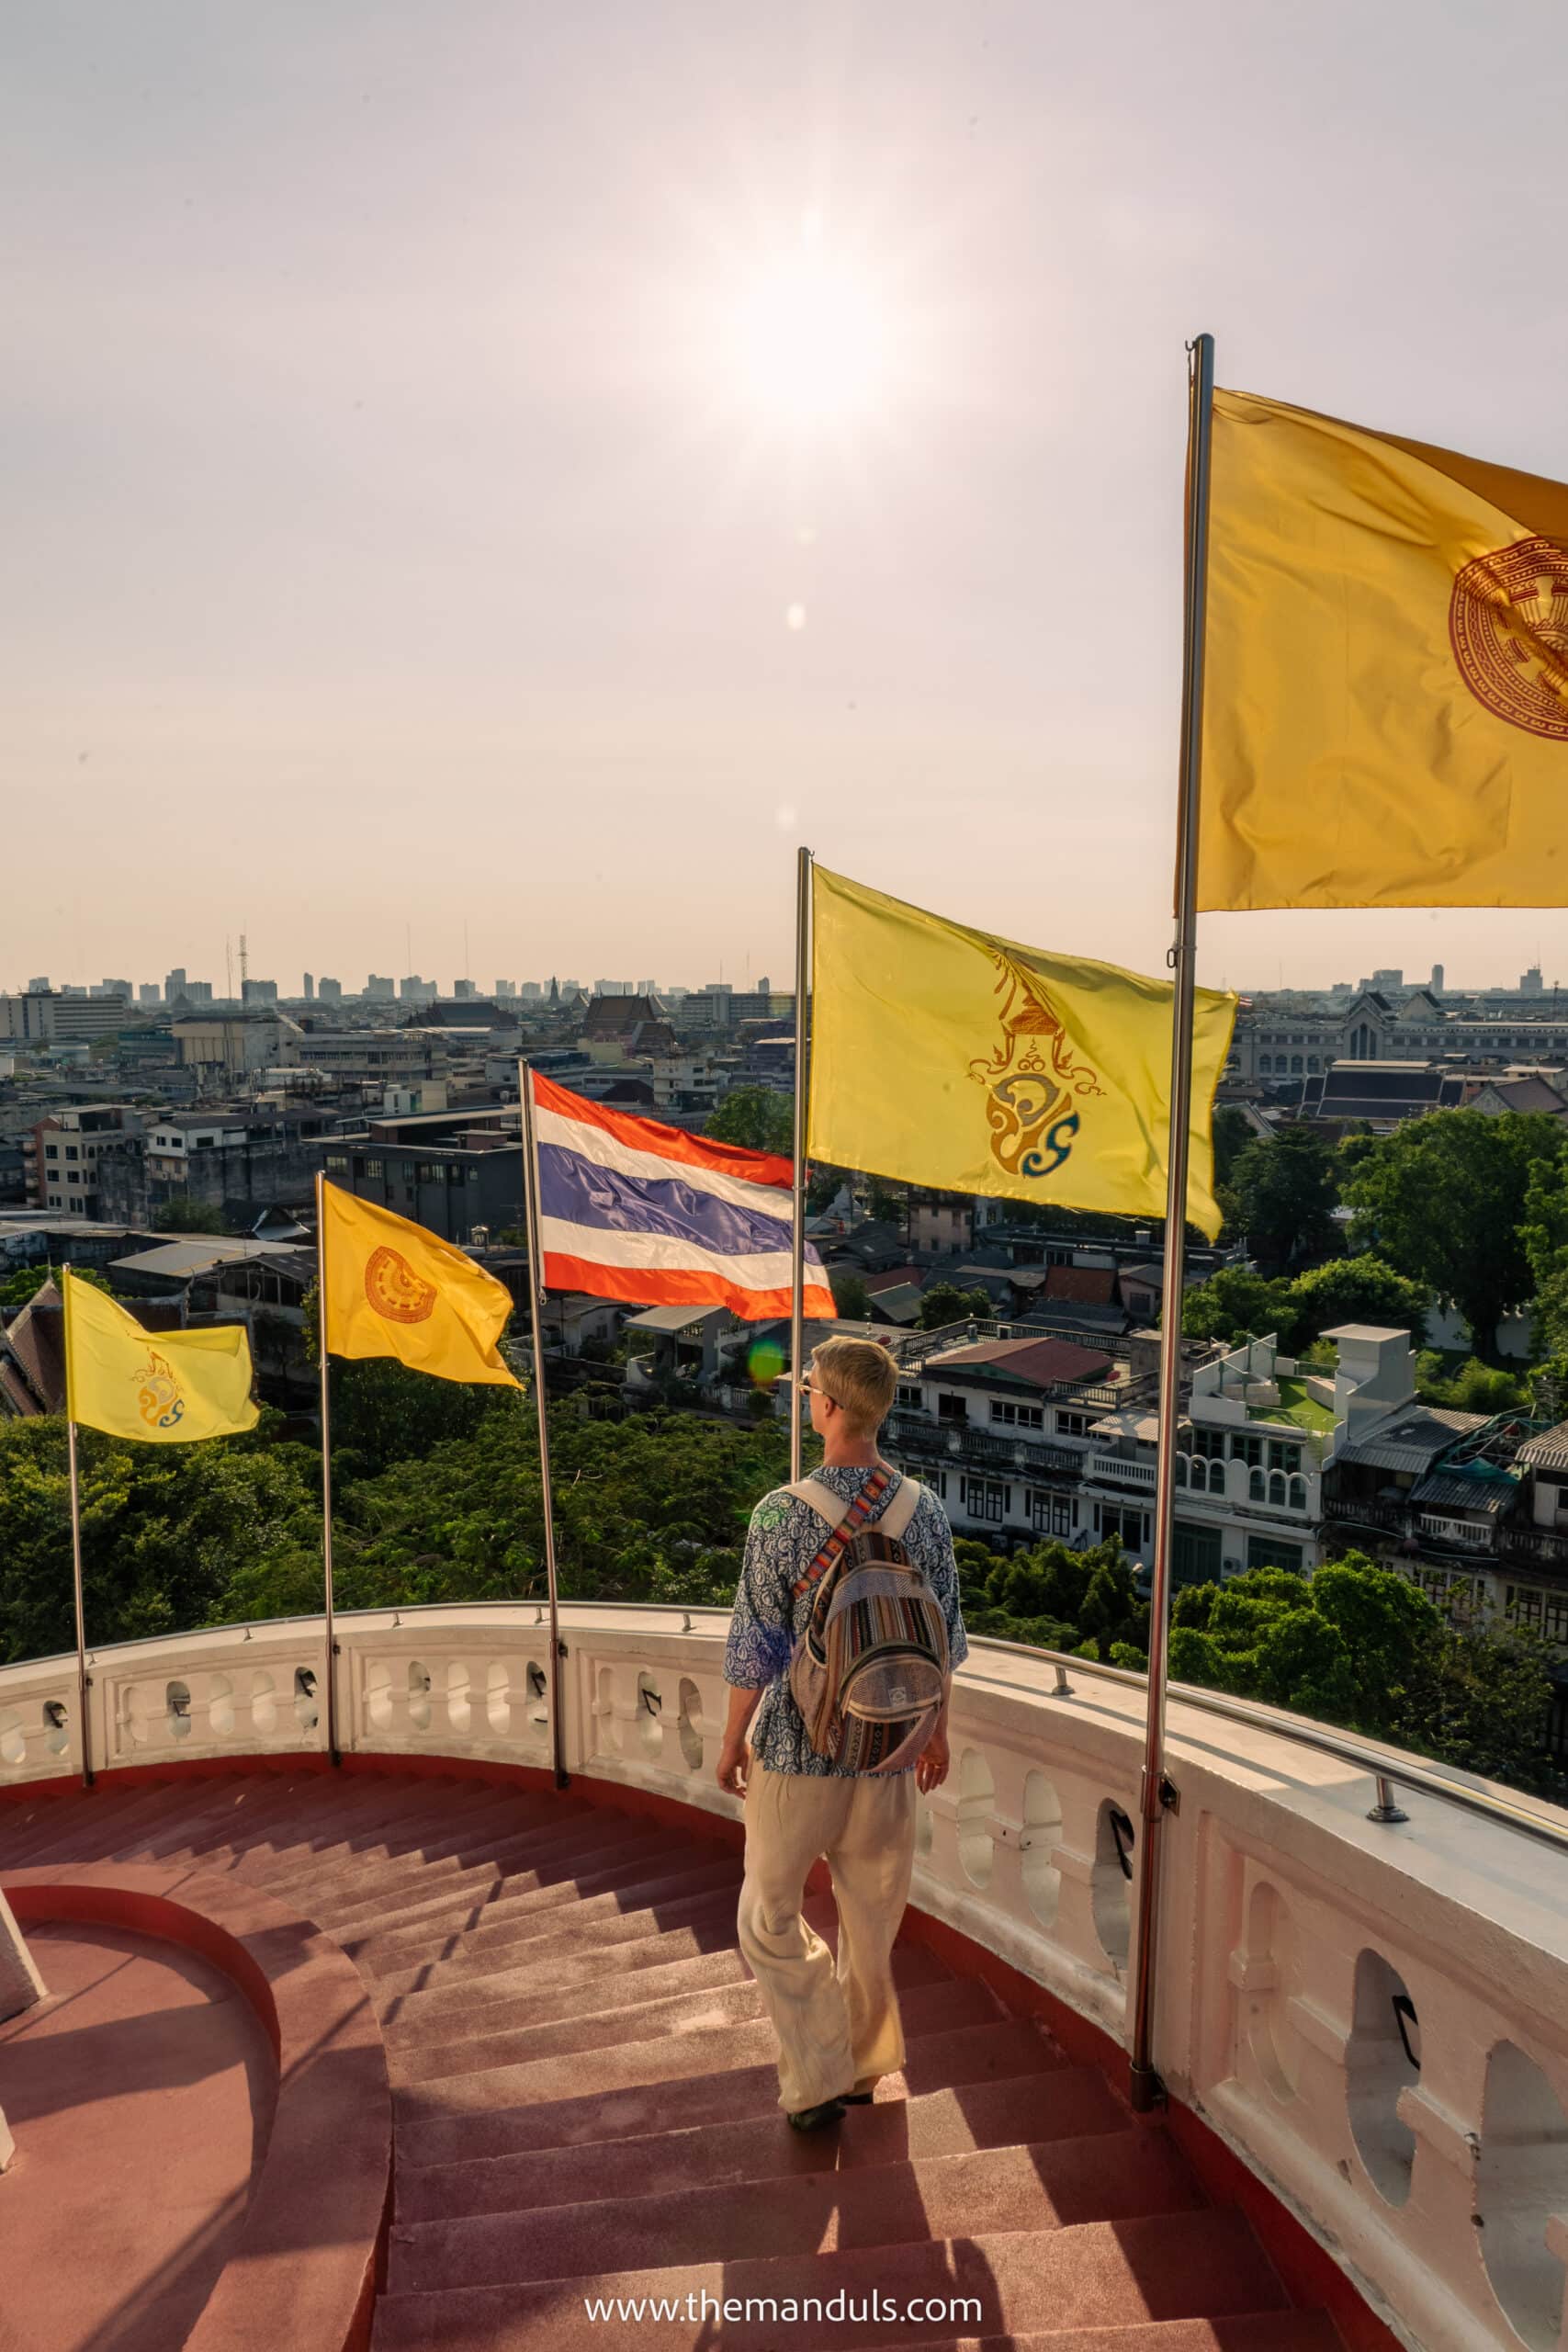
point(838, 2026)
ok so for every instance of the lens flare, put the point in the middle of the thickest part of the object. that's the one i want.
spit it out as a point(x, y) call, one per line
point(764, 1361)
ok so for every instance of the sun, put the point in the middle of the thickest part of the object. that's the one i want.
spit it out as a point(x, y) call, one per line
point(810, 336)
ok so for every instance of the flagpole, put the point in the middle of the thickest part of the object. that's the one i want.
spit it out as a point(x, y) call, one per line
point(80, 1605)
point(535, 1295)
point(1147, 2090)
point(797, 1242)
point(326, 1463)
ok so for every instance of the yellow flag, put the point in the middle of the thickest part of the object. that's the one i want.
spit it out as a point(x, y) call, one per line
point(944, 1056)
point(161, 1387)
point(1386, 698)
point(396, 1289)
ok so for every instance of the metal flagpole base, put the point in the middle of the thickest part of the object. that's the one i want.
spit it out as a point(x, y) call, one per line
point(1146, 2091)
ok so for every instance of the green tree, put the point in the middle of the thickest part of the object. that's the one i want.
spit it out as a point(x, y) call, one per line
point(850, 1296)
point(1286, 1191)
point(1361, 1289)
point(187, 1216)
point(1475, 1387)
point(755, 1117)
point(944, 1303)
point(1445, 1199)
point(28, 1281)
point(1236, 1303)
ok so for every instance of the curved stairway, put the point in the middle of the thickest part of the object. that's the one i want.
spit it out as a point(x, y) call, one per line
point(585, 2100)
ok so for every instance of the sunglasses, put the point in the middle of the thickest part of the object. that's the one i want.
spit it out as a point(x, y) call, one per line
point(814, 1388)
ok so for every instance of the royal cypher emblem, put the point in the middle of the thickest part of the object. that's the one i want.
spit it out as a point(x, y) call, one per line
point(1508, 624)
point(395, 1291)
point(1032, 1076)
point(158, 1398)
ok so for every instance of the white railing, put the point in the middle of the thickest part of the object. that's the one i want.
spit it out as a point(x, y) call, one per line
point(1120, 1470)
point(1373, 2014)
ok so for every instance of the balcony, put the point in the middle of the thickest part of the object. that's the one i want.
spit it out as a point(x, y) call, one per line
point(580, 2069)
point(1121, 1470)
point(955, 1440)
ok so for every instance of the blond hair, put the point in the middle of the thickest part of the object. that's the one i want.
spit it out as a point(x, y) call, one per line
point(860, 1378)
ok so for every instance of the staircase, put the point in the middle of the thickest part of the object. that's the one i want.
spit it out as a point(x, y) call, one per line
point(586, 2105)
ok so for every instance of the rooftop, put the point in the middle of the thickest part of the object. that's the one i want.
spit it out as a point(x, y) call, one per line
point(1297, 1405)
point(1042, 1363)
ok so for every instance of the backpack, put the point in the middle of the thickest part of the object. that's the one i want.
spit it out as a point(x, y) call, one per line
point(870, 1671)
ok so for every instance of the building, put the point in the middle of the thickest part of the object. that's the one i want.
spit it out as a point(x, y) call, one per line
point(379, 990)
point(455, 1171)
point(234, 1162)
point(1276, 1041)
point(149, 996)
point(308, 988)
point(67, 1148)
point(57, 1018)
point(329, 991)
point(252, 992)
point(222, 1047)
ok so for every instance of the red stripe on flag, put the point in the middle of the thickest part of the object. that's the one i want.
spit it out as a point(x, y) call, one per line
point(642, 1287)
point(668, 1143)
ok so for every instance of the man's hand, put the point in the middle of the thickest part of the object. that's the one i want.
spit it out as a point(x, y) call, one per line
point(930, 1765)
point(734, 1757)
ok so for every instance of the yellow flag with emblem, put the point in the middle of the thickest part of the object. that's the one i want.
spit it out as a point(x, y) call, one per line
point(946, 1056)
point(394, 1288)
point(1386, 690)
point(160, 1387)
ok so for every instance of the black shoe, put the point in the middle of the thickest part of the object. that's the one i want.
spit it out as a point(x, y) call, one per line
point(856, 2099)
point(812, 2119)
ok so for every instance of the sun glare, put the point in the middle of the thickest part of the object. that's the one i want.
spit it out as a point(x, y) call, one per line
point(811, 338)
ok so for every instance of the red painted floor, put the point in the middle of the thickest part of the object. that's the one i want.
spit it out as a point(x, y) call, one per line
point(135, 2093)
point(586, 2102)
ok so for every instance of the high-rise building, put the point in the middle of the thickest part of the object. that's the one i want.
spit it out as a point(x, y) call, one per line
point(258, 991)
point(764, 986)
point(1437, 979)
point(39, 987)
point(198, 992)
point(505, 991)
point(1392, 977)
point(646, 987)
point(175, 984)
point(1530, 981)
point(149, 994)
point(310, 988)
point(329, 991)
point(112, 987)
point(464, 990)
point(533, 991)
point(413, 990)
point(379, 990)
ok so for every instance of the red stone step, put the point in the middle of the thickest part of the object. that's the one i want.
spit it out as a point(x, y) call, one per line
point(1095, 2275)
point(732, 2088)
point(534, 1914)
point(1049, 2185)
point(625, 1992)
point(486, 1896)
point(1064, 2103)
point(697, 2035)
point(1250, 2331)
point(452, 1872)
point(708, 1910)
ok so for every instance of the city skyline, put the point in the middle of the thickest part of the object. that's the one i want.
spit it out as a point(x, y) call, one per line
point(840, 499)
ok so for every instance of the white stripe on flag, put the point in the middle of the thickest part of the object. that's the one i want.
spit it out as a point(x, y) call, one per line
point(609, 1151)
point(663, 1253)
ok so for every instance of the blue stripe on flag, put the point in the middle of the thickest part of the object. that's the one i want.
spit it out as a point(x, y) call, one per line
point(579, 1192)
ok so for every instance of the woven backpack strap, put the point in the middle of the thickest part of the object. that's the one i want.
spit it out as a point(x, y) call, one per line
point(850, 1526)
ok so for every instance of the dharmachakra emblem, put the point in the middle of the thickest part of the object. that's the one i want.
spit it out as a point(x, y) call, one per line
point(1031, 1076)
point(1508, 624)
point(394, 1289)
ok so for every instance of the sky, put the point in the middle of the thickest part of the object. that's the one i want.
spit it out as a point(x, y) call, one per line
point(484, 482)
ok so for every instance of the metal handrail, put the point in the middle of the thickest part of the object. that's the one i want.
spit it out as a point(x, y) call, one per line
point(1390, 1768)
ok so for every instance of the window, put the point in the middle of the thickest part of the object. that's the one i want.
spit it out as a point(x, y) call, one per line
point(374, 1168)
point(1051, 1514)
point(1179, 1471)
point(1127, 1524)
point(1020, 1416)
point(909, 1394)
point(1298, 1493)
point(1246, 1449)
point(1210, 1443)
point(985, 1499)
point(1277, 1487)
point(405, 1169)
point(1257, 1490)
point(1265, 1061)
point(952, 1408)
point(1268, 1552)
point(1073, 1424)
point(473, 1175)
point(72, 1152)
point(52, 1151)
point(1283, 1457)
point(337, 1163)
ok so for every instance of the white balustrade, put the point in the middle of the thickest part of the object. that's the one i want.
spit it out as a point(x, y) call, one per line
point(1373, 2016)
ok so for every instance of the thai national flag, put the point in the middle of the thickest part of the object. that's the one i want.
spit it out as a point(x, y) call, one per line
point(634, 1210)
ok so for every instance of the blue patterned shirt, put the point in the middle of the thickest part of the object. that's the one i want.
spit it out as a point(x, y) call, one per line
point(784, 1537)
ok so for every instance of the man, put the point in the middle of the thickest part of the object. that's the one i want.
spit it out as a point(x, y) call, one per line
point(839, 2029)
